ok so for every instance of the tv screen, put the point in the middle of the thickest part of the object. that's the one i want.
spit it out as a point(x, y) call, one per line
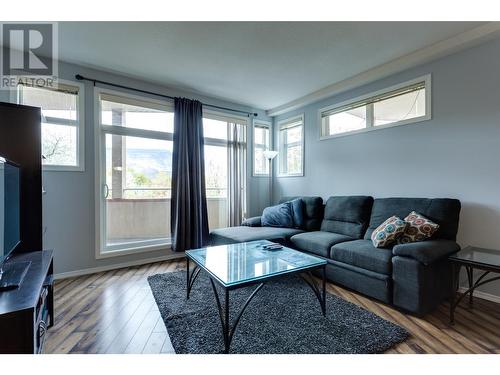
point(9, 208)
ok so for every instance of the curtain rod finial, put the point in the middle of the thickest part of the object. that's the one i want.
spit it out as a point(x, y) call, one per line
point(255, 114)
point(79, 77)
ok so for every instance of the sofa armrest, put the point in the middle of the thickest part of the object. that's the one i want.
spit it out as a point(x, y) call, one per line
point(252, 222)
point(426, 252)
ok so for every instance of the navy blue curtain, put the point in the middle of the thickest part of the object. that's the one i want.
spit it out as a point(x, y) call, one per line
point(188, 216)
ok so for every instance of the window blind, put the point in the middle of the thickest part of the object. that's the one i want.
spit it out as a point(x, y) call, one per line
point(291, 122)
point(66, 89)
point(377, 98)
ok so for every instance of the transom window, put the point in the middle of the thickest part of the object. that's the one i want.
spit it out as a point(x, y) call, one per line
point(399, 105)
point(261, 143)
point(291, 146)
point(62, 123)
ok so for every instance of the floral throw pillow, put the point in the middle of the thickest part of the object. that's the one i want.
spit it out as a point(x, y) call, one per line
point(418, 228)
point(388, 232)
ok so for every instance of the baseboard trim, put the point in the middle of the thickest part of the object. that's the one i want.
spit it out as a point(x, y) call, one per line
point(482, 295)
point(88, 271)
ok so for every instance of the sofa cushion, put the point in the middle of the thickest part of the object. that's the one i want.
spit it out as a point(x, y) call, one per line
point(244, 234)
point(347, 215)
point(418, 228)
point(252, 222)
point(362, 254)
point(313, 213)
point(442, 211)
point(318, 242)
point(280, 216)
point(298, 212)
point(388, 232)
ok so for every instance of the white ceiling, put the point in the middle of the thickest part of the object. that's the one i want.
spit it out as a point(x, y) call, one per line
point(260, 64)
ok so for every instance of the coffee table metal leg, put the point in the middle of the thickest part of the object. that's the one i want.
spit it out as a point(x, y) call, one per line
point(324, 291)
point(320, 294)
point(470, 277)
point(187, 277)
point(227, 330)
point(191, 278)
point(455, 270)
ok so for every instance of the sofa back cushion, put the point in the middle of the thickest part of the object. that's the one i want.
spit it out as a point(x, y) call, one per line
point(280, 216)
point(442, 211)
point(347, 215)
point(313, 211)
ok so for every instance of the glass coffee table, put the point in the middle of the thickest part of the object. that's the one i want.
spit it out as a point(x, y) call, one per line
point(472, 258)
point(240, 265)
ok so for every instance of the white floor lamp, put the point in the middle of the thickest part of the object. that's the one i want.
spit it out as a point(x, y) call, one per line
point(270, 155)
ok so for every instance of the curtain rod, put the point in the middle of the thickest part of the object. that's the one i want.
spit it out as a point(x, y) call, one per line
point(79, 77)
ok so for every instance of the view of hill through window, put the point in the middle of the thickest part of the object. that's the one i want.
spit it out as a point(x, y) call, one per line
point(147, 163)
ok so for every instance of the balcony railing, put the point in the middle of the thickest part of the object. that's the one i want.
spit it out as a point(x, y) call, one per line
point(212, 192)
point(137, 219)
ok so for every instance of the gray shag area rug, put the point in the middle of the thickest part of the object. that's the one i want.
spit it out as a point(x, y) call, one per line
point(284, 317)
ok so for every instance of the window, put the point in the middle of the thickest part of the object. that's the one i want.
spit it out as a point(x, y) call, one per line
point(134, 162)
point(225, 168)
point(62, 123)
point(135, 165)
point(291, 146)
point(261, 143)
point(399, 105)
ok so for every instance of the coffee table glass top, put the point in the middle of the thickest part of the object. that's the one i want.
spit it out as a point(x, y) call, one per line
point(478, 255)
point(247, 262)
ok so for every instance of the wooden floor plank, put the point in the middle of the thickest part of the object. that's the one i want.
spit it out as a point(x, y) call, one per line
point(160, 326)
point(70, 341)
point(141, 336)
point(128, 331)
point(482, 328)
point(155, 343)
point(104, 333)
point(115, 312)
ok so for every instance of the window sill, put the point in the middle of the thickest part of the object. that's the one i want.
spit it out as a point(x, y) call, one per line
point(62, 168)
point(291, 175)
point(103, 254)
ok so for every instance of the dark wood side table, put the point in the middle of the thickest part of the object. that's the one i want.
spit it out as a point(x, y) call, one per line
point(472, 258)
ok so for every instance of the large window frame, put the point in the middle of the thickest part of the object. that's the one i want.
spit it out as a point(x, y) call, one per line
point(79, 123)
point(263, 125)
point(374, 97)
point(230, 118)
point(286, 124)
point(102, 251)
point(100, 130)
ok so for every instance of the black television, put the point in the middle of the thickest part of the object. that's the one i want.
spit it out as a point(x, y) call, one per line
point(10, 236)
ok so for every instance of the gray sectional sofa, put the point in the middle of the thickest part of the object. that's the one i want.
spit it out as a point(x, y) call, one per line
point(414, 277)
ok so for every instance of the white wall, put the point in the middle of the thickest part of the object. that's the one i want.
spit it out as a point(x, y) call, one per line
point(68, 206)
point(456, 154)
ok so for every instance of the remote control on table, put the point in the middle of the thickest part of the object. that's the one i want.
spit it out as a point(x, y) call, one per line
point(274, 246)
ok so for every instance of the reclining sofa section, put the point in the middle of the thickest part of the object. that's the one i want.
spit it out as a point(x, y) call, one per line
point(415, 277)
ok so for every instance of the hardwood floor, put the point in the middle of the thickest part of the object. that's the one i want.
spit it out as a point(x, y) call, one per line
point(115, 312)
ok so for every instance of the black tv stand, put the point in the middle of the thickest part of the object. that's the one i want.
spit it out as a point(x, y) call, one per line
point(12, 274)
point(27, 312)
